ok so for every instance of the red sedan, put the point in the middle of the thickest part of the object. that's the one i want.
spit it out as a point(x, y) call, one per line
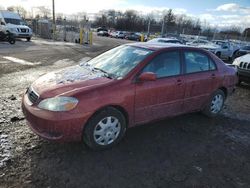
point(133, 84)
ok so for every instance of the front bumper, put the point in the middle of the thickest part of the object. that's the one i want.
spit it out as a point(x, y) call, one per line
point(56, 126)
point(22, 35)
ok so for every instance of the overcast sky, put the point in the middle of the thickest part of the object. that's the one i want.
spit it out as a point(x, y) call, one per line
point(217, 12)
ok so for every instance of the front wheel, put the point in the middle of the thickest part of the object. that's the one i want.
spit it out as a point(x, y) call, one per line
point(105, 129)
point(28, 38)
point(12, 41)
point(215, 104)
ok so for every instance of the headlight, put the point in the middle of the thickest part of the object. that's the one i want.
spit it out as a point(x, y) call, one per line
point(13, 29)
point(236, 62)
point(58, 104)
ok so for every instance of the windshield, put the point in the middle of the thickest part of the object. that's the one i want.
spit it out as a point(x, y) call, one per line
point(119, 61)
point(14, 21)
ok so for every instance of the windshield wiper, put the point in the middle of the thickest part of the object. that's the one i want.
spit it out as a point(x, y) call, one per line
point(106, 74)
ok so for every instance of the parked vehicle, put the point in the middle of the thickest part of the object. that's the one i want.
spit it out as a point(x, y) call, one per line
point(13, 23)
point(101, 29)
point(103, 33)
point(112, 34)
point(133, 36)
point(219, 42)
point(165, 40)
point(129, 85)
point(210, 47)
point(227, 50)
point(243, 67)
point(120, 34)
point(7, 37)
point(198, 42)
point(242, 51)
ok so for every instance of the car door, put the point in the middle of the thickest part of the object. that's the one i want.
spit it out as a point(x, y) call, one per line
point(200, 78)
point(163, 97)
point(226, 50)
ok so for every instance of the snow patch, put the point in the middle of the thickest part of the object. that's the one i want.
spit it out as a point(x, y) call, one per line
point(5, 150)
point(64, 62)
point(20, 61)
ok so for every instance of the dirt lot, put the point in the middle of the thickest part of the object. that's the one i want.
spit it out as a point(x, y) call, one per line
point(186, 151)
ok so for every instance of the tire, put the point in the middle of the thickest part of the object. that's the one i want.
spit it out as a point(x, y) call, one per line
point(218, 54)
point(101, 132)
point(239, 83)
point(28, 38)
point(215, 104)
point(12, 41)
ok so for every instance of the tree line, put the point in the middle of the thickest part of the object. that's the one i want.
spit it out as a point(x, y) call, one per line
point(169, 22)
point(132, 20)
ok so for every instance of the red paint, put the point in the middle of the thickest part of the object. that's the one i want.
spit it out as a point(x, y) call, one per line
point(142, 101)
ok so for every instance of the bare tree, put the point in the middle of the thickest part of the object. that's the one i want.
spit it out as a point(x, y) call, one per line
point(44, 12)
point(18, 9)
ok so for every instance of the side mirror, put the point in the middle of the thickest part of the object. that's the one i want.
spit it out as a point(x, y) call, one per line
point(147, 76)
point(2, 23)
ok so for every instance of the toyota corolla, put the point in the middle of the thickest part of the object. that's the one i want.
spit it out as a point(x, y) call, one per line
point(96, 101)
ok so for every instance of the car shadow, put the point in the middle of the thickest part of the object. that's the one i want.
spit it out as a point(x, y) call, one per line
point(244, 85)
point(190, 150)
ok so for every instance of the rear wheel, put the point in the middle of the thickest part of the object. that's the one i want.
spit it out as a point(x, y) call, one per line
point(218, 54)
point(105, 129)
point(215, 104)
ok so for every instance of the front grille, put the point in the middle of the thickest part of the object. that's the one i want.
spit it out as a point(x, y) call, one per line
point(23, 30)
point(244, 65)
point(32, 95)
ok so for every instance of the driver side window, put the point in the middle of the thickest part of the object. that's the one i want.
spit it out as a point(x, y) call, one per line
point(165, 64)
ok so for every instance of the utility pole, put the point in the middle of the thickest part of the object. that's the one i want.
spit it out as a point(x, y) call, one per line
point(64, 30)
point(54, 20)
point(149, 21)
point(162, 26)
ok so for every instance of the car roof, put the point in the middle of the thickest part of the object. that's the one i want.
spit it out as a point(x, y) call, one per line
point(158, 46)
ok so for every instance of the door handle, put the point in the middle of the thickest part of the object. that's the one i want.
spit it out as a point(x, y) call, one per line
point(213, 76)
point(179, 82)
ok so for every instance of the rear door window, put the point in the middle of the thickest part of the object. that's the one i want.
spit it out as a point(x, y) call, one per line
point(198, 62)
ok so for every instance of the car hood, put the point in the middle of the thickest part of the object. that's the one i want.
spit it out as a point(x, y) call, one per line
point(244, 58)
point(17, 26)
point(68, 81)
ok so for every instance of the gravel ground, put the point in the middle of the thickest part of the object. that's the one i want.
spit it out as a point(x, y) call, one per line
point(186, 151)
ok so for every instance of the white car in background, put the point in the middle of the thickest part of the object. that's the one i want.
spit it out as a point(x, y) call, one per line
point(112, 34)
point(243, 68)
point(13, 23)
point(120, 34)
point(198, 42)
point(227, 50)
point(205, 44)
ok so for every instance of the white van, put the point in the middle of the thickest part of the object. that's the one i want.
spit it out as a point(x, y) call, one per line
point(13, 23)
